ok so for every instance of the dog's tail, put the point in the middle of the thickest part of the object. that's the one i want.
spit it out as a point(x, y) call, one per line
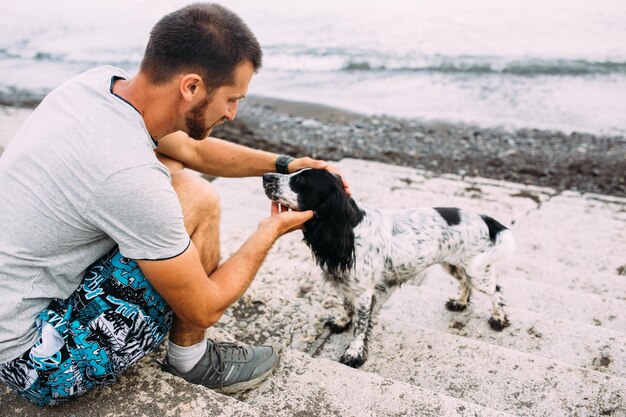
point(503, 248)
point(505, 245)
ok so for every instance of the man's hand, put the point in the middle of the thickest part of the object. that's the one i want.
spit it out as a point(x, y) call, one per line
point(301, 163)
point(282, 220)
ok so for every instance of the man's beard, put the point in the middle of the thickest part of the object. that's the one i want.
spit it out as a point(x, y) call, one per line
point(195, 121)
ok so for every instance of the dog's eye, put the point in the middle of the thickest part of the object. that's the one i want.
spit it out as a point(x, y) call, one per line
point(300, 180)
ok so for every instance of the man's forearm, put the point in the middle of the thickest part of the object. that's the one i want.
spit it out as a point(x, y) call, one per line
point(217, 157)
point(200, 300)
point(234, 276)
point(225, 159)
point(221, 158)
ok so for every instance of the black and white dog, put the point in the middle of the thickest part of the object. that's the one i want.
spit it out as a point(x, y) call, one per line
point(366, 253)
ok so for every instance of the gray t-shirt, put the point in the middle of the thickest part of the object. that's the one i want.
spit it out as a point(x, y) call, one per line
point(79, 177)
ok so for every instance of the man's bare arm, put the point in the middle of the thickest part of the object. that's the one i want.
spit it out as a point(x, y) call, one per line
point(217, 157)
point(221, 158)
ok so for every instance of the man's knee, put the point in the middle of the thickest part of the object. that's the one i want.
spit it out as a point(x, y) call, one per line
point(199, 200)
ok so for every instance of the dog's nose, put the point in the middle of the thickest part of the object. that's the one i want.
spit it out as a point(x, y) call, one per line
point(269, 178)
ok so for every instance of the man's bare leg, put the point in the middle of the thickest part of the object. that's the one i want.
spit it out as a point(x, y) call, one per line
point(201, 214)
point(189, 354)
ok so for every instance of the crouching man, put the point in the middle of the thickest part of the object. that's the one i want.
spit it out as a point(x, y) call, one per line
point(106, 244)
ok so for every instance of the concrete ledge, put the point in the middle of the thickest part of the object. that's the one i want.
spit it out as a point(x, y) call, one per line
point(143, 390)
point(304, 386)
point(565, 341)
point(565, 294)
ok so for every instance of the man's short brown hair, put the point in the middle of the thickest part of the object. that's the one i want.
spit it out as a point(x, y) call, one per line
point(204, 38)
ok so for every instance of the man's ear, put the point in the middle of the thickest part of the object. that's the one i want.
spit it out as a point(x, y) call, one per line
point(190, 85)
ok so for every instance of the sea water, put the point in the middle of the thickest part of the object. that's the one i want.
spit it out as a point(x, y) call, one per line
point(557, 64)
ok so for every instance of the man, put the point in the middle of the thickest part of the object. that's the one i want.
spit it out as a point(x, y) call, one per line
point(105, 245)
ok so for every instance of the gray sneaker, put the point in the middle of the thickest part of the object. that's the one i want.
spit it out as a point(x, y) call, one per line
point(229, 368)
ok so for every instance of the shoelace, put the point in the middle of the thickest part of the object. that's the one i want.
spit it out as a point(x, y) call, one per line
point(216, 349)
point(219, 369)
point(239, 350)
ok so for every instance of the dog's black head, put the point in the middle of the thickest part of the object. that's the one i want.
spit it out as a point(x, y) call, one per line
point(330, 234)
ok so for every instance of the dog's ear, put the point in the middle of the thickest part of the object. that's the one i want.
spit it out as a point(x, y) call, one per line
point(330, 234)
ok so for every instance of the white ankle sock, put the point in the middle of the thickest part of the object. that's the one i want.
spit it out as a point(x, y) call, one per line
point(184, 358)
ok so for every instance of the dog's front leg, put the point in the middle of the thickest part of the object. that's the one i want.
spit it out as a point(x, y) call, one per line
point(362, 322)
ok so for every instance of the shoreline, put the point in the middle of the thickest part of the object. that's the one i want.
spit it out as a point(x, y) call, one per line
point(577, 161)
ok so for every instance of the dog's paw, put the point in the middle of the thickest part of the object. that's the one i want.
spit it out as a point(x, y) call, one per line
point(337, 327)
point(352, 361)
point(454, 305)
point(499, 325)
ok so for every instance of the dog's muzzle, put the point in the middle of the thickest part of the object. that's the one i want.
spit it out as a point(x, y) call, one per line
point(271, 187)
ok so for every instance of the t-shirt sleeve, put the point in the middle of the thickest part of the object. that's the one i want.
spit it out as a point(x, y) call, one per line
point(139, 209)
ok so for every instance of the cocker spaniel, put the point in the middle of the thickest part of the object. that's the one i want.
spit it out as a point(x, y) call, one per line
point(367, 252)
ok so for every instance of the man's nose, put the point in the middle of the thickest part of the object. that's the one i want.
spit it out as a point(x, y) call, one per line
point(232, 111)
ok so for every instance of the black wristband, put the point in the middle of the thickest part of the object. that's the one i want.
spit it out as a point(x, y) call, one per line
point(282, 162)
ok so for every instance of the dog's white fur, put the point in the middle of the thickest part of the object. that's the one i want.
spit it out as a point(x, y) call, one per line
point(393, 246)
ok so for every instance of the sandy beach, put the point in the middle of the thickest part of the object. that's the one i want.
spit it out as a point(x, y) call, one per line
point(576, 161)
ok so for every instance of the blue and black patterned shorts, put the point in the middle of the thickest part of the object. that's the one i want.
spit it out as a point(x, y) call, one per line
point(110, 322)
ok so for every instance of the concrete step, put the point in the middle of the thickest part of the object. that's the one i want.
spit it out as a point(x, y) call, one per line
point(300, 385)
point(604, 283)
point(577, 306)
point(305, 386)
point(295, 301)
point(563, 291)
point(565, 341)
point(143, 390)
point(574, 242)
point(487, 375)
point(550, 301)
